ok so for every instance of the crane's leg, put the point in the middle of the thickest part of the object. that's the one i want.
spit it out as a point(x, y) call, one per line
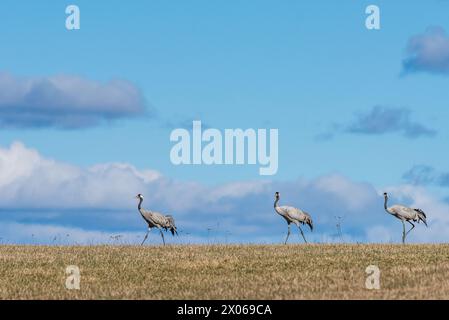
point(288, 234)
point(413, 227)
point(162, 234)
point(302, 233)
point(403, 231)
point(146, 236)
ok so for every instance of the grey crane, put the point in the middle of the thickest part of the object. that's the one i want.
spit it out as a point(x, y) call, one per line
point(293, 215)
point(404, 214)
point(156, 220)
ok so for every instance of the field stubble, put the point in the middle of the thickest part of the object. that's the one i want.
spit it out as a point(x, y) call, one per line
point(225, 272)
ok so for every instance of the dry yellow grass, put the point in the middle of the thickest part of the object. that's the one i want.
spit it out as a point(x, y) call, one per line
point(225, 272)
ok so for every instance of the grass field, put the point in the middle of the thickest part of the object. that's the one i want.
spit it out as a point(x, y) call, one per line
point(225, 272)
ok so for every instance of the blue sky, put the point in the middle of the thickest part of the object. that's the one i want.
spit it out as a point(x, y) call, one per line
point(345, 102)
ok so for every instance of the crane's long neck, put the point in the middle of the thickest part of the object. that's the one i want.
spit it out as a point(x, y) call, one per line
point(140, 204)
point(385, 204)
point(277, 208)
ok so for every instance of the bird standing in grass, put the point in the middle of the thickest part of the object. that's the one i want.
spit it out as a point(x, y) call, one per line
point(293, 215)
point(156, 220)
point(405, 214)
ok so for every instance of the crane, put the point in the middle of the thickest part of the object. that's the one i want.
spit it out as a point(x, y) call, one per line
point(293, 215)
point(156, 220)
point(404, 213)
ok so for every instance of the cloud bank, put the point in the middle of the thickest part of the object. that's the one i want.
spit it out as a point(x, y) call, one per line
point(46, 198)
point(67, 102)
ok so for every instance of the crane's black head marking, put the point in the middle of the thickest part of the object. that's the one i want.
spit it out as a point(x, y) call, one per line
point(276, 194)
point(139, 196)
point(385, 194)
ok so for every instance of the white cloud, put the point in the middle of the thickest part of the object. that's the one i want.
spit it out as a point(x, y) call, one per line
point(354, 194)
point(31, 181)
point(382, 234)
point(24, 172)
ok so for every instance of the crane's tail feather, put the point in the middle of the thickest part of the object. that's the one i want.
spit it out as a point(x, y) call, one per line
point(309, 222)
point(310, 225)
point(173, 231)
point(171, 225)
point(421, 216)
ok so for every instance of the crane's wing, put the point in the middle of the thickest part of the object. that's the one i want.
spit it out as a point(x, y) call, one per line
point(295, 214)
point(291, 212)
point(155, 219)
point(146, 215)
point(404, 212)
